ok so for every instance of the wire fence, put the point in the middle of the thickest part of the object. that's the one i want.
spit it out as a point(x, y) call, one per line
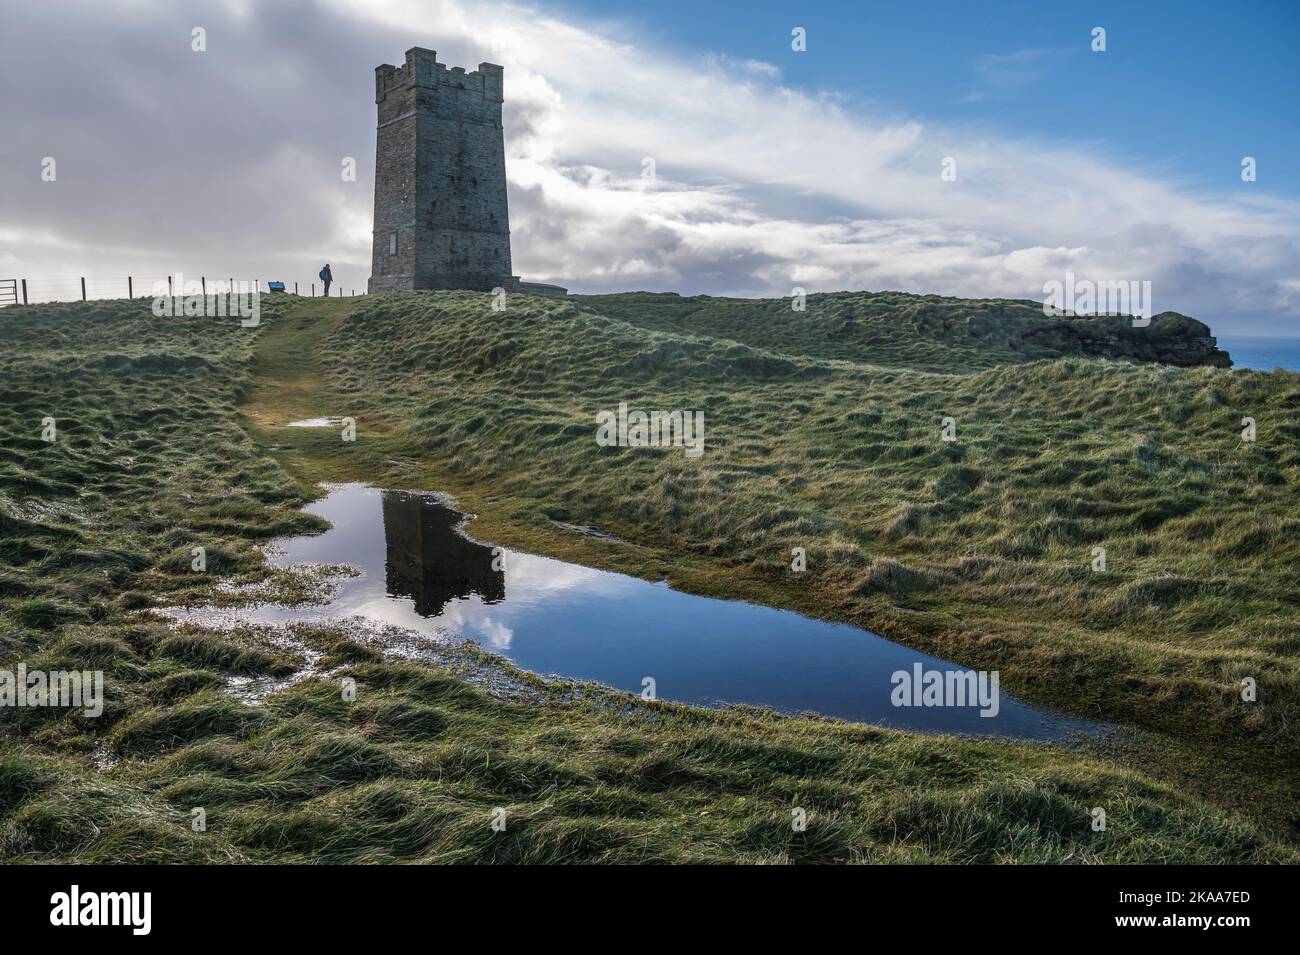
point(86, 288)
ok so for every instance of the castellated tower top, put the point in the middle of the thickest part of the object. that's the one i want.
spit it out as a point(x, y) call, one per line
point(423, 69)
point(441, 218)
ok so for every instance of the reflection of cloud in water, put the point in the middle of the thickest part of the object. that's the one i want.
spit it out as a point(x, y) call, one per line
point(471, 616)
point(497, 634)
point(399, 613)
point(528, 575)
point(530, 581)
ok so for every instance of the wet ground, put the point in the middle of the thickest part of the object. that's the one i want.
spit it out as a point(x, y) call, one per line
point(420, 574)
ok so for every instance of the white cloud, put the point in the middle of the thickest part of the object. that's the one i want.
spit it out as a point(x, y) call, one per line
point(1000, 75)
point(759, 186)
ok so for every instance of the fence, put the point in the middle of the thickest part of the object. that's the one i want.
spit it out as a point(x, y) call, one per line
point(87, 288)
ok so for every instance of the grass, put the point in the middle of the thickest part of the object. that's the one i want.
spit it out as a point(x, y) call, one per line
point(980, 549)
point(171, 436)
point(918, 332)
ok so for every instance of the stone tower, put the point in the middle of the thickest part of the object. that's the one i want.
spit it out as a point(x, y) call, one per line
point(441, 220)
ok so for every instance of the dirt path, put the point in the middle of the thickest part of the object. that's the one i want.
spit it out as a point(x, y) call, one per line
point(289, 385)
point(288, 379)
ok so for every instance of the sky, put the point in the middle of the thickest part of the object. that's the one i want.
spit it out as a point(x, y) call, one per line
point(774, 168)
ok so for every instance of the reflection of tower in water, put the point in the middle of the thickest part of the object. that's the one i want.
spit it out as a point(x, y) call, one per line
point(428, 561)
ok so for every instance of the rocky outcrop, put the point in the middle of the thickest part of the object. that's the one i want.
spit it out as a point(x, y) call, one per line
point(1170, 339)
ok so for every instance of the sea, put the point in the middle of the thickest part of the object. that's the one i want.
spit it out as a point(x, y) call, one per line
point(1264, 354)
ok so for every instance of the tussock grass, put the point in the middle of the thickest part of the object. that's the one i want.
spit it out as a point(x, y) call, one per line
point(832, 443)
point(980, 543)
point(921, 332)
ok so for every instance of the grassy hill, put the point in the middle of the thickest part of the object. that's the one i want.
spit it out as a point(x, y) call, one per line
point(919, 332)
point(980, 548)
point(172, 434)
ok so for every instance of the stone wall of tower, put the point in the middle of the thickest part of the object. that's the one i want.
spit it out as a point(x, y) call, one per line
point(440, 178)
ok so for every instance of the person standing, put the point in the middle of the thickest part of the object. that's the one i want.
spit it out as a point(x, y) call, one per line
point(327, 277)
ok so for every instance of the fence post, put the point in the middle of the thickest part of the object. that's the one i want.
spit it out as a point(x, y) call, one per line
point(130, 289)
point(83, 288)
point(24, 291)
point(313, 289)
point(295, 288)
point(169, 286)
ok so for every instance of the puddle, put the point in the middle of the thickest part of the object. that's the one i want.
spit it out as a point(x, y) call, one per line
point(595, 532)
point(422, 574)
point(104, 759)
point(315, 423)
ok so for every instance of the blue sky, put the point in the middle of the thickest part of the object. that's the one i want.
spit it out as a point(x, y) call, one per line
point(1185, 88)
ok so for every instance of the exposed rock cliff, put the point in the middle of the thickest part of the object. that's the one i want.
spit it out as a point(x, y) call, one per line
point(1170, 339)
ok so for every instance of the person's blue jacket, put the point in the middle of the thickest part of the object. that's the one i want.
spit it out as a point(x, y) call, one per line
point(326, 275)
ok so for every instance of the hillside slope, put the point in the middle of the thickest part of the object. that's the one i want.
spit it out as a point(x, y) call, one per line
point(172, 435)
point(980, 549)
point(922, 332)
